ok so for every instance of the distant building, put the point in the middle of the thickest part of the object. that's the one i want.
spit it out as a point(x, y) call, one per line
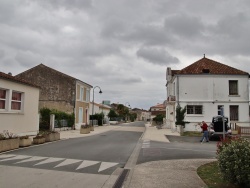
point(157, 109)
point(106, 102)
point(204, 87)
point(60, 91)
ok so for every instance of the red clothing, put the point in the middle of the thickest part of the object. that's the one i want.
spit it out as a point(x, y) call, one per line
point(204, 127)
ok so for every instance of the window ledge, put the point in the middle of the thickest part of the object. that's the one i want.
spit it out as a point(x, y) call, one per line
point(193, 115)
point(11, 112)
point(234, 95)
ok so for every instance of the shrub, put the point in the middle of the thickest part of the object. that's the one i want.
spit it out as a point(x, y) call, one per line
point(234, 161)
point(7, 135)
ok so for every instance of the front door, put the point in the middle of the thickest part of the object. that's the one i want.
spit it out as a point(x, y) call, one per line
point(80, 115)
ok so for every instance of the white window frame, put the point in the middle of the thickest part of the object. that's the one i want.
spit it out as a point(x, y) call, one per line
point(4, 99)
point(18, 101)
point(193, 106)
point(81, 93)
point(8, 102)
point(233, 91)
point(87, 95)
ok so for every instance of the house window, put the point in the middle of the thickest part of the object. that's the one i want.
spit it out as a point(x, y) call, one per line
point(234, 113)
point(16, 100)
point(219, 109)
point(87, 95)
point(81, 94)
point(233, 87)
point(2, 98)
point(194, 109)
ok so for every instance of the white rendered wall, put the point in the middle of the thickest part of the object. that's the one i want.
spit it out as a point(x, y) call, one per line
point(27, 121)
point(211, 91)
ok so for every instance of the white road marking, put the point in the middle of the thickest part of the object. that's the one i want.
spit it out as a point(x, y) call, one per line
point(50, 160)
point(6, 156)
point(106, 165)
point(87, 163)
point(67, 162)
point(32, 159)
point(16, 157)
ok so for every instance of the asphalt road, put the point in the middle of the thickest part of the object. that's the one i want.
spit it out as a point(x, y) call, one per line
point(178, 148)
point(98, 154)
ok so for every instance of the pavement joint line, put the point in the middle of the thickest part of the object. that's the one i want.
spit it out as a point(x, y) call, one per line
point(131, 163)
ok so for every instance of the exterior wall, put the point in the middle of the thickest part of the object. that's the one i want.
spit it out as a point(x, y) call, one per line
point(57, 89)
point(25, 122)
point(211, 91)
point(82, 101)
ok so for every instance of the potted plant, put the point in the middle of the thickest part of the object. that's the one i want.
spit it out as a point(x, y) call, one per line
point(51, 136)
point(39, 139)
point(24, 141)
point(85, 129)
point(91, 128)
point(8, 141)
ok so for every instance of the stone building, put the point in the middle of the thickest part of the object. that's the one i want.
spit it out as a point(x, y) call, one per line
point(60, 91)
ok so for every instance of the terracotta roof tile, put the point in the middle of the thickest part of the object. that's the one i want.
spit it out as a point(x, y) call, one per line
point(14, 79)
point(209, 66)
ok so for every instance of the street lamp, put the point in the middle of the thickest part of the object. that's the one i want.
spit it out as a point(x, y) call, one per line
point(93, 103)
point(128, 108)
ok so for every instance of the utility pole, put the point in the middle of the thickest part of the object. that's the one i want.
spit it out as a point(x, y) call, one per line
point(223, 119)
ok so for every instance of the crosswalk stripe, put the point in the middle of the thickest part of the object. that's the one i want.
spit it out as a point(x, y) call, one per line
point(87, 163)
point(16, 157)
point(6, 156)
point(67, 162)
point(49, 160)
point(106, 165)
point(32, 159)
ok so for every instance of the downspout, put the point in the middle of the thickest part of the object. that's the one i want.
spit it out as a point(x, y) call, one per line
point(177, 90)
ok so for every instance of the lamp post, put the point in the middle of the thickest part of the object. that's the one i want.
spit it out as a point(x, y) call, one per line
point(93, 103)
point(129, 107)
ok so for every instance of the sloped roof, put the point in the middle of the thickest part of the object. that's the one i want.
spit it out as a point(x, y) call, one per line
point(13, 79)
point(55, 71)
point(158, 106)
point(209, 66)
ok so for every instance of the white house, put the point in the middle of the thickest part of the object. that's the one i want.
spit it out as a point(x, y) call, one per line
point(18, 106)
point(204, 87)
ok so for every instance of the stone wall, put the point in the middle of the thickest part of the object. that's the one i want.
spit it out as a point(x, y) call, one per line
point(57, 89)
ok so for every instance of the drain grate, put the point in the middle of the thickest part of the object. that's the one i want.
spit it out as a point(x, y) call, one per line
point(122, 177)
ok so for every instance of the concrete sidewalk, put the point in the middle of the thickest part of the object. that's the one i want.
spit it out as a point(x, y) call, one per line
point(168, 173)
point(97, 130)
point(159, 135)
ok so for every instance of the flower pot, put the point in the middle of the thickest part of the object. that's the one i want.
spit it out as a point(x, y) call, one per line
point(92, 128)
point(25, 142)
point(9, 144)
point(84, 130)
point(38, 140)
point(52, 137)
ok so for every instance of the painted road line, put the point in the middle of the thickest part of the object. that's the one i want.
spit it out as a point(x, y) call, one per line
point(106, 165)
point(87, 163)
point(32, 159)
point(16, 158)
point(68, 162)
point(50, 160)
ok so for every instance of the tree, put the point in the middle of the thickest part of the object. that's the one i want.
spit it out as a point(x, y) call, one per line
point(180, 115)
point(159, 118)
point(112, 114)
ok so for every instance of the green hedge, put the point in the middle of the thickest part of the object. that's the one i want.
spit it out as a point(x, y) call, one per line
point(59, 115)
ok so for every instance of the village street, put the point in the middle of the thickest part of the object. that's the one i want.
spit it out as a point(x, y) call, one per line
point(93, 161)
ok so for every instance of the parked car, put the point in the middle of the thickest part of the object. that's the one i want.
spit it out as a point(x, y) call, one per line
point(216, 128)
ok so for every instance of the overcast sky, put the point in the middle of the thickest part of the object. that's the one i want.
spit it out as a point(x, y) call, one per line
point(123, 46)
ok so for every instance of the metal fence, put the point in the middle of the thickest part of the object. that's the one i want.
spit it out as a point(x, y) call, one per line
point(61, 123)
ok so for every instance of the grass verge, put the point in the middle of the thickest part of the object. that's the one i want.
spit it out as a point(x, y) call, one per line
point(212, 177)
point(192, 133)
